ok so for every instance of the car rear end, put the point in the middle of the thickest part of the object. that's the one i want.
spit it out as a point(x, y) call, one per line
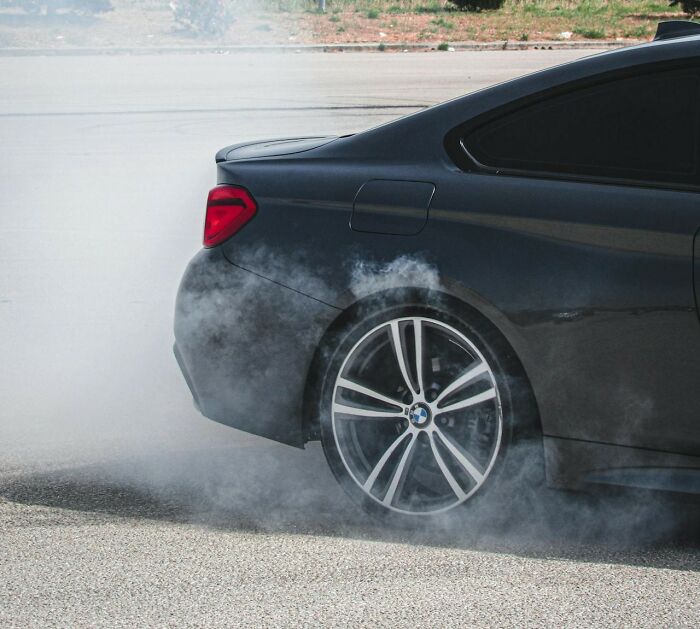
point(245, 342)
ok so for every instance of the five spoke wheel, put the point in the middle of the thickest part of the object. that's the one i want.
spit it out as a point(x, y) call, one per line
point(416, 415)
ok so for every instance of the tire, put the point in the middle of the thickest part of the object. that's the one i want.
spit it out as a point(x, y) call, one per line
point(412, 444)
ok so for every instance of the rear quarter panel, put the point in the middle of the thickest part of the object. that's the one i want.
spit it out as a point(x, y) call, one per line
point(589, 285)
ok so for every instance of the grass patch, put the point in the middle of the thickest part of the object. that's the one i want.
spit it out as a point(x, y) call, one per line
point(441, 22)
point(444, 46)
point(638, 32)
point(589, 8)
point(429, 8)
point(516, 20)
point(589, 33)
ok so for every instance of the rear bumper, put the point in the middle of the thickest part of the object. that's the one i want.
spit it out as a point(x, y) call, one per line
point(244, 345)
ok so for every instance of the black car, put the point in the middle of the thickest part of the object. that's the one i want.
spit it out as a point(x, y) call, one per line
point(516, 266)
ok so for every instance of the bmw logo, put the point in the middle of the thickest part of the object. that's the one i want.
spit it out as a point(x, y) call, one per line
point(419, 415)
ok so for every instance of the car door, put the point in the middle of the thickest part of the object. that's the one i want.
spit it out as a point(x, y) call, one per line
point(595, 199)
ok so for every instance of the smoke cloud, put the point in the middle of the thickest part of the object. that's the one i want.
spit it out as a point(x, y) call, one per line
point(368, 278)
point(266, 486)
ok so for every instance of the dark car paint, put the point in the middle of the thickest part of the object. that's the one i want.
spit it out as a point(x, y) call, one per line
point(696, 270)
point(261, 391)
point(592, 284)
point(271, 148)
point(579, 296)
point(400, 208)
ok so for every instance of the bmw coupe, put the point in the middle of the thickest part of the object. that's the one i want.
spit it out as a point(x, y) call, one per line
point(519, 265)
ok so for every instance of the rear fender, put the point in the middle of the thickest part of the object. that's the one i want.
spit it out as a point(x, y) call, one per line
point(450, 293)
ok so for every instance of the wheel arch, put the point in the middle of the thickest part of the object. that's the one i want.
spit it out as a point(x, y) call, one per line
point(449, 292)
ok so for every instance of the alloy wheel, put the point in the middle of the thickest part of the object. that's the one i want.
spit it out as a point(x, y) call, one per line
point(416, 416)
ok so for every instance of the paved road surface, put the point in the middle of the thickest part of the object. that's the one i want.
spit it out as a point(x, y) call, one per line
point(119, 504)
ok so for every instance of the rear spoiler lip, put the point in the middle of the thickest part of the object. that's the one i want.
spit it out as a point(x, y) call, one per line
point(223, 154)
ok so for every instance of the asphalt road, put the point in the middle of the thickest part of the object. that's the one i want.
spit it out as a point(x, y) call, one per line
point(119, 504)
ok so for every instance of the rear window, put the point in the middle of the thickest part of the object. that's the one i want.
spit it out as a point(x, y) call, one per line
point(643, 128)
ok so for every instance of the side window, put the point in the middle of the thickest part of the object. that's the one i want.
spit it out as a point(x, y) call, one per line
point(643, 128)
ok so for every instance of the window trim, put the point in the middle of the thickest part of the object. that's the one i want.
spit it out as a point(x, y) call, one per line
point(463, 158)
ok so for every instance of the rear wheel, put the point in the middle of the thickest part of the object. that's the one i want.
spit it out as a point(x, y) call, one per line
point(417, 409)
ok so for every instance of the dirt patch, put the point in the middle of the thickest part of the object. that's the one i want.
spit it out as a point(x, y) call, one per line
point(134, 24)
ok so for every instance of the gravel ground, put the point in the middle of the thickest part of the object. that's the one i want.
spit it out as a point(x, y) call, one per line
point(92, 546)
point(119, 504)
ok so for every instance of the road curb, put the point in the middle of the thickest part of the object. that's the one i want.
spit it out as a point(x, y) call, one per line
point(286, 48)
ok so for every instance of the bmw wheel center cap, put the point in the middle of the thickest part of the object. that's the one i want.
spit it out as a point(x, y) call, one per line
point(419, 415)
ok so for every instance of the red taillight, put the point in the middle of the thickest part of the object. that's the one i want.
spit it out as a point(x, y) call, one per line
point(228, 209)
